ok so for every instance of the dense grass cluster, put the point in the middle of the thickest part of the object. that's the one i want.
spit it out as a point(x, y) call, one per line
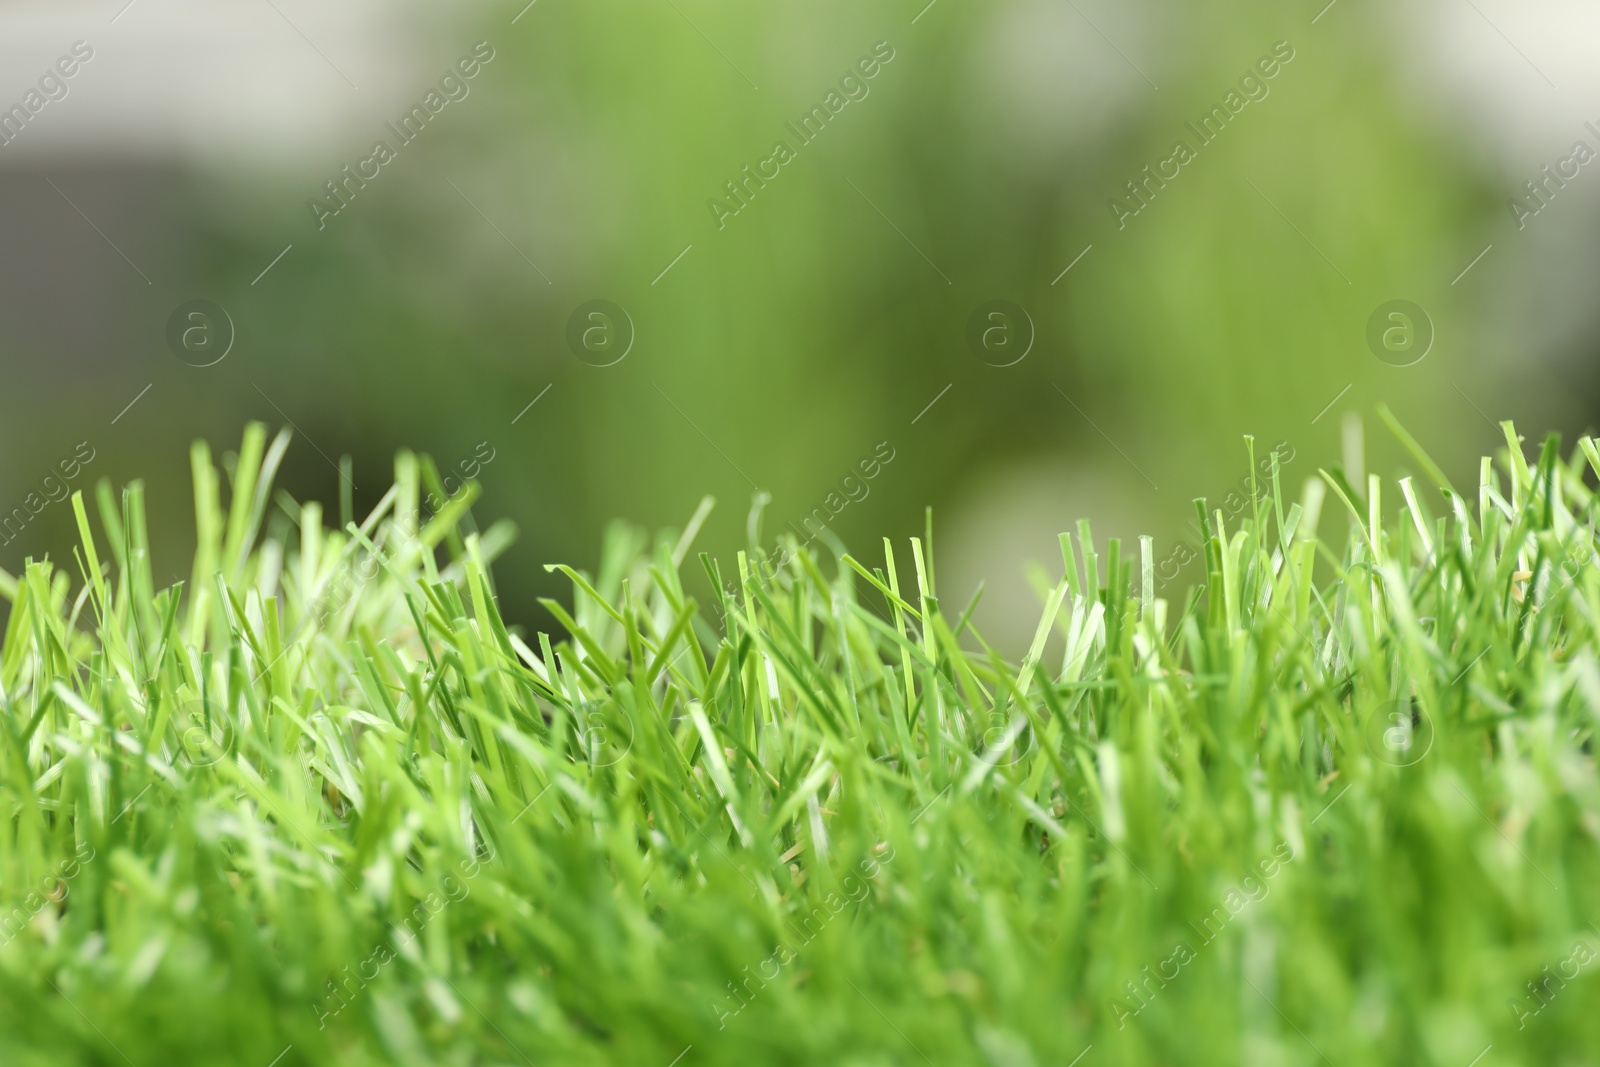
point(319, 805)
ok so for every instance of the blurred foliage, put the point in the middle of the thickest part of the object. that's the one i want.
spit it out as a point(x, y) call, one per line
point(782, 348)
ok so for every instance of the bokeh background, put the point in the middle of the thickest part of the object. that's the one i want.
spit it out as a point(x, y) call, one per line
point(829, 318)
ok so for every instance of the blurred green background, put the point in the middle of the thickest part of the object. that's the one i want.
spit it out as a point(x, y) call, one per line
point(822, 320)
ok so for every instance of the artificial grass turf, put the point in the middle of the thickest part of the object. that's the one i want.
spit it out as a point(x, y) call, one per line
point(320, 806)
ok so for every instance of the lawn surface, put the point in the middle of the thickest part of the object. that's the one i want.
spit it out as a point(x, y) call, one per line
point(318, 805)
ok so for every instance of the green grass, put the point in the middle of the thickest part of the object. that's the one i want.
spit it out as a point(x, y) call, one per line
point(1338, 806)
